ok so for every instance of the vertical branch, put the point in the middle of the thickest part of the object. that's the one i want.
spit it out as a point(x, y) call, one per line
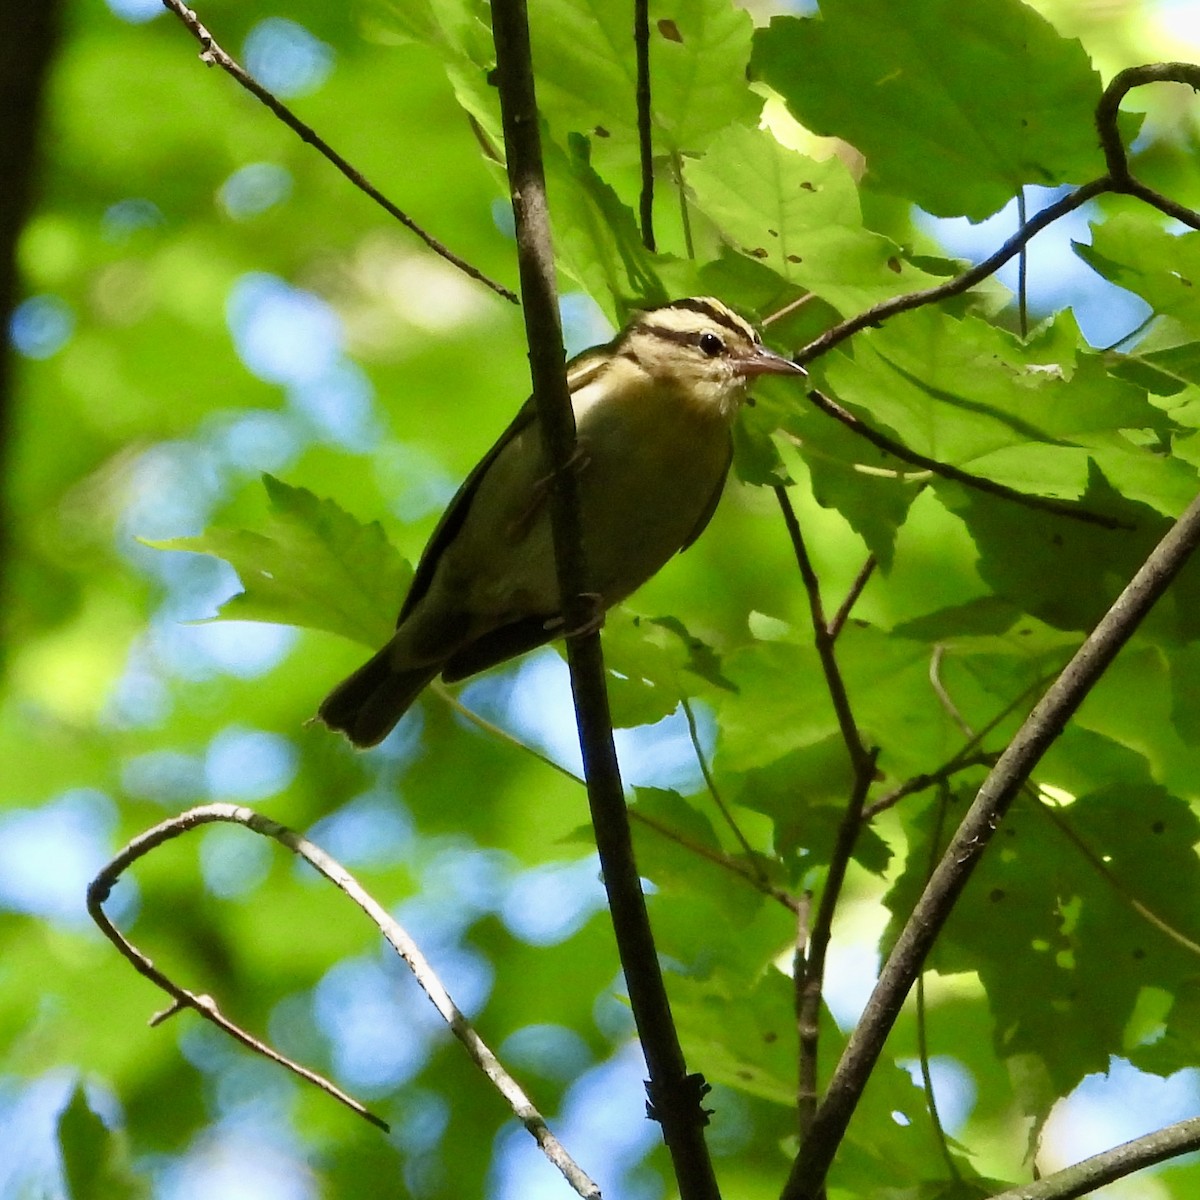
point(641, 40)
point(939, 1131)
point(862, 760)
point(28, 39)
point(808, 1018)
point(822, 637)
point(1033, 739)
point(1022, 268)
point(675, 1096)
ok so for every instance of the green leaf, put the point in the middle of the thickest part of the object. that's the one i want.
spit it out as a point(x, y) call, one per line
point(653, 663)
point(971, 395)
point(1134, 251)
point(587, 72)
point(311, 564)
point(955, 106)
point(799, 217)
point(1040, 917)
point(597, 236)
point(95, 1159)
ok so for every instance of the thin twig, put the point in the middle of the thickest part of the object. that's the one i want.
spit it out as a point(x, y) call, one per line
point(489, 727)
point(397, 937)
point(685, 217)
point(939, 1131)
point(711, 783)
point(753, 876)
point(822, 637)
point(918, 783)
point(1118, 179)
point(955, 286)
point(818, 943)
point(939, 690)
point(838, 620)
point(1108, 110)
point(675, 1096)
point(1022, 269)
point(1003, 784)
point(726, 862)
point(1086, 1177)
point(946, 471)
point(862, 761)
point(101, 887)
point(788, 309)
point(641, 41)
point(212, 55)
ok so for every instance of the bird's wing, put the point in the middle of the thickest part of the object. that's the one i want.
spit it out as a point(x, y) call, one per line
point(499, 646)
point(711, 506)
point(580, 371)
point(456, 512)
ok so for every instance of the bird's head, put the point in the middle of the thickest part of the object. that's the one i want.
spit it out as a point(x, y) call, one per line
point(703, 349)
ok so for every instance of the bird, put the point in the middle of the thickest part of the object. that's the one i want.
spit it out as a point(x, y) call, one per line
point(654, 412)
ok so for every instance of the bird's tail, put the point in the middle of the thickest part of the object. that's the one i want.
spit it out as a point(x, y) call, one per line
point(366, 705)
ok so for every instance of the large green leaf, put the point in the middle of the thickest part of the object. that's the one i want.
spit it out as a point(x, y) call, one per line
point(310, 564)
point(956, 106)
point(800, 217)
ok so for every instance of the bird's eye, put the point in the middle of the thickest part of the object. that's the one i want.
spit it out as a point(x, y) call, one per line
point(711, 344)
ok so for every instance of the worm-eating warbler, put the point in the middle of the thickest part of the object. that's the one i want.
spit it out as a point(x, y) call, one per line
point(654, 411)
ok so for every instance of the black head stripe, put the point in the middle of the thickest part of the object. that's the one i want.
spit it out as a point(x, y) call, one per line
point(719, 316)
point(682, 337)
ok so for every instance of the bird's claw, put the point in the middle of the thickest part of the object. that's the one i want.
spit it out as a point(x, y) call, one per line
point(593, 623)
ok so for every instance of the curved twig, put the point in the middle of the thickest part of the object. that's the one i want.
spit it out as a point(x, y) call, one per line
point(331, 869)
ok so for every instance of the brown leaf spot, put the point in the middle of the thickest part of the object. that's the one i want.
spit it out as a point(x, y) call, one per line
point(809, 187)
point(894, 264)
point(794, 258)
point(670, 30)
point(758, 252)
point(601, 132)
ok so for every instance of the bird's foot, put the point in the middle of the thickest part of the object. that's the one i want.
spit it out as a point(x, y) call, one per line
point(592, 623)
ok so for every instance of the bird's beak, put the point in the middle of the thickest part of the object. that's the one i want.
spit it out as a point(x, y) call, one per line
point(762, 361)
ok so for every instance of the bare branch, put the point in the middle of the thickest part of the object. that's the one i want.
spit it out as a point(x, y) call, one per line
point(823, 638)
point(1002, 785)
point(1084, 1178)
point(331, 869)
point(674, 1094)
point(641, 39)
point(212, 55)
point(879, 313)
point(839, 618)
point(919, 783)
point(99, 890)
